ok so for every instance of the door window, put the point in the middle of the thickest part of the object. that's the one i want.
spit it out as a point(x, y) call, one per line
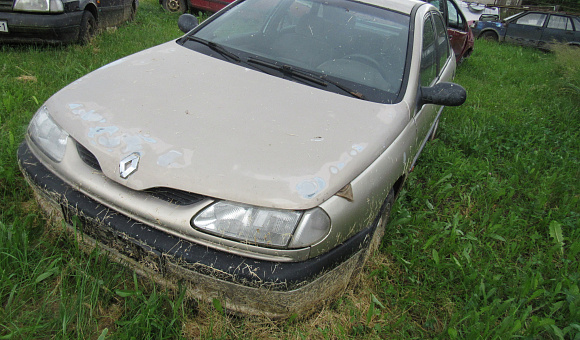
point(576, 23)
point(436, 49)
point(560, 23)
point(428, 54)
point(455, 19)
point(442, 41)
point(532, 19)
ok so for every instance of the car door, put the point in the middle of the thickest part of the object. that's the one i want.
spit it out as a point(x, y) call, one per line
point(559, 28)
point(457, 28)
point(435, 57)
point(112, 12)
point(526, 29)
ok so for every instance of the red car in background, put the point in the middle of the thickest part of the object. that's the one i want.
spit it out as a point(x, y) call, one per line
point(182, 6)
point(460, 34)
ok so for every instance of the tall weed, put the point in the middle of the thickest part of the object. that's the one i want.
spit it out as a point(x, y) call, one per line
point(568, 61)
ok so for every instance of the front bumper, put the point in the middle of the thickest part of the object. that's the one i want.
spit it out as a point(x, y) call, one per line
point(248, 286)
point(41, 28)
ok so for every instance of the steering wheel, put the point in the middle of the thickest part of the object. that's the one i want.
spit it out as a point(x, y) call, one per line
point(365, 59)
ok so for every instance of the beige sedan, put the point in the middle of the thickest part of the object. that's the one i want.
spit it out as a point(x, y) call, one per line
point(256, 158)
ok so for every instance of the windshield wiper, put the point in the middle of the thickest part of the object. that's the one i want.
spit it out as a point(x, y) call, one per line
point(289, 70)
point(320, 80)
point(345, 88)
point(216, 47)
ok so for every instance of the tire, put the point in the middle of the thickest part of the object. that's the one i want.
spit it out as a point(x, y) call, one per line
point(381, 225)
point(174, 6)
point(88, 28)
point(133, 11)
point(489, 35)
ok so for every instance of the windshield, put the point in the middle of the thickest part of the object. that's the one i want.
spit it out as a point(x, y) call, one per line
point(361, 46)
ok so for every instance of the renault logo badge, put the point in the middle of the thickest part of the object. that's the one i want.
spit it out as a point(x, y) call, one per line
point(129, 165)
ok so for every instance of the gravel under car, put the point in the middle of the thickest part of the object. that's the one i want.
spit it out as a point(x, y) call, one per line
point(256, 158)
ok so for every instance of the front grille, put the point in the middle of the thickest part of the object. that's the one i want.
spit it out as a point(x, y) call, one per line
point(88, 157)
point(174, 196)
point(6, 5)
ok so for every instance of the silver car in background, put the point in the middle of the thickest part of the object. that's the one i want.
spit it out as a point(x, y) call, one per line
point(256, 158)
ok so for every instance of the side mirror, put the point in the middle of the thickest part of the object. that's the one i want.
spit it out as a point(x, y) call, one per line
point(187, 22)
point(446, 94)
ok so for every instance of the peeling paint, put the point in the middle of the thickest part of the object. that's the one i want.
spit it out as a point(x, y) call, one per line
point(89, 116)
point(170, 159)
point(359, 147)
point(310, 187)
point(132, 144)
point(99, 130)
point(148, 139)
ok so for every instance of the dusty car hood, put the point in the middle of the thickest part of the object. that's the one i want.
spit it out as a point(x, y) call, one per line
point(214, 128)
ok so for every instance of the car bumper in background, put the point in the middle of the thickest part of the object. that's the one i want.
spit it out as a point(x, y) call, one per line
point(41, 28)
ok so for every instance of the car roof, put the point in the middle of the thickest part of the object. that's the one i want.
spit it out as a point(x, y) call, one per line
point(403, 6)
point(566, 14)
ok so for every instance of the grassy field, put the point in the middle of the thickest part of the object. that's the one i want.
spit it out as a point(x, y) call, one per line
point(484, 241)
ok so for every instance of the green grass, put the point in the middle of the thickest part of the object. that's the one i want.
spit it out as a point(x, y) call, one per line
point(484, 241)
point(487, 231)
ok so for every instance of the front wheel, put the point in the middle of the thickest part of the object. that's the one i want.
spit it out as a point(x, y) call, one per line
point(489, 35)
point(174, 6)
point(381, 225)
point(376, 238)
point(88, 28)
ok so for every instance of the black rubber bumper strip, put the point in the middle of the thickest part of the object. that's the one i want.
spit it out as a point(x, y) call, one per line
point(141, 238)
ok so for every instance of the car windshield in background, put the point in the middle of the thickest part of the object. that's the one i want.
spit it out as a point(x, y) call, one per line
point(341, 46)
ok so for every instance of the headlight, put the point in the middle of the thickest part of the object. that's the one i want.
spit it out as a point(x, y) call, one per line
point(268, 227)
point(313, 227)
point(54, 6)
point(48, 136)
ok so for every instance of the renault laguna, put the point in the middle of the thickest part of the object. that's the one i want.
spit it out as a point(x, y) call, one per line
point(256, 158)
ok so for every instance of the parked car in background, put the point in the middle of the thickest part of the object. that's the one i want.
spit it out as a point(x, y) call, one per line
point(182, 6)
point(256, 158)
point(460, 34)
point(473, 10)
point(60, 21)
point(532, 28)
